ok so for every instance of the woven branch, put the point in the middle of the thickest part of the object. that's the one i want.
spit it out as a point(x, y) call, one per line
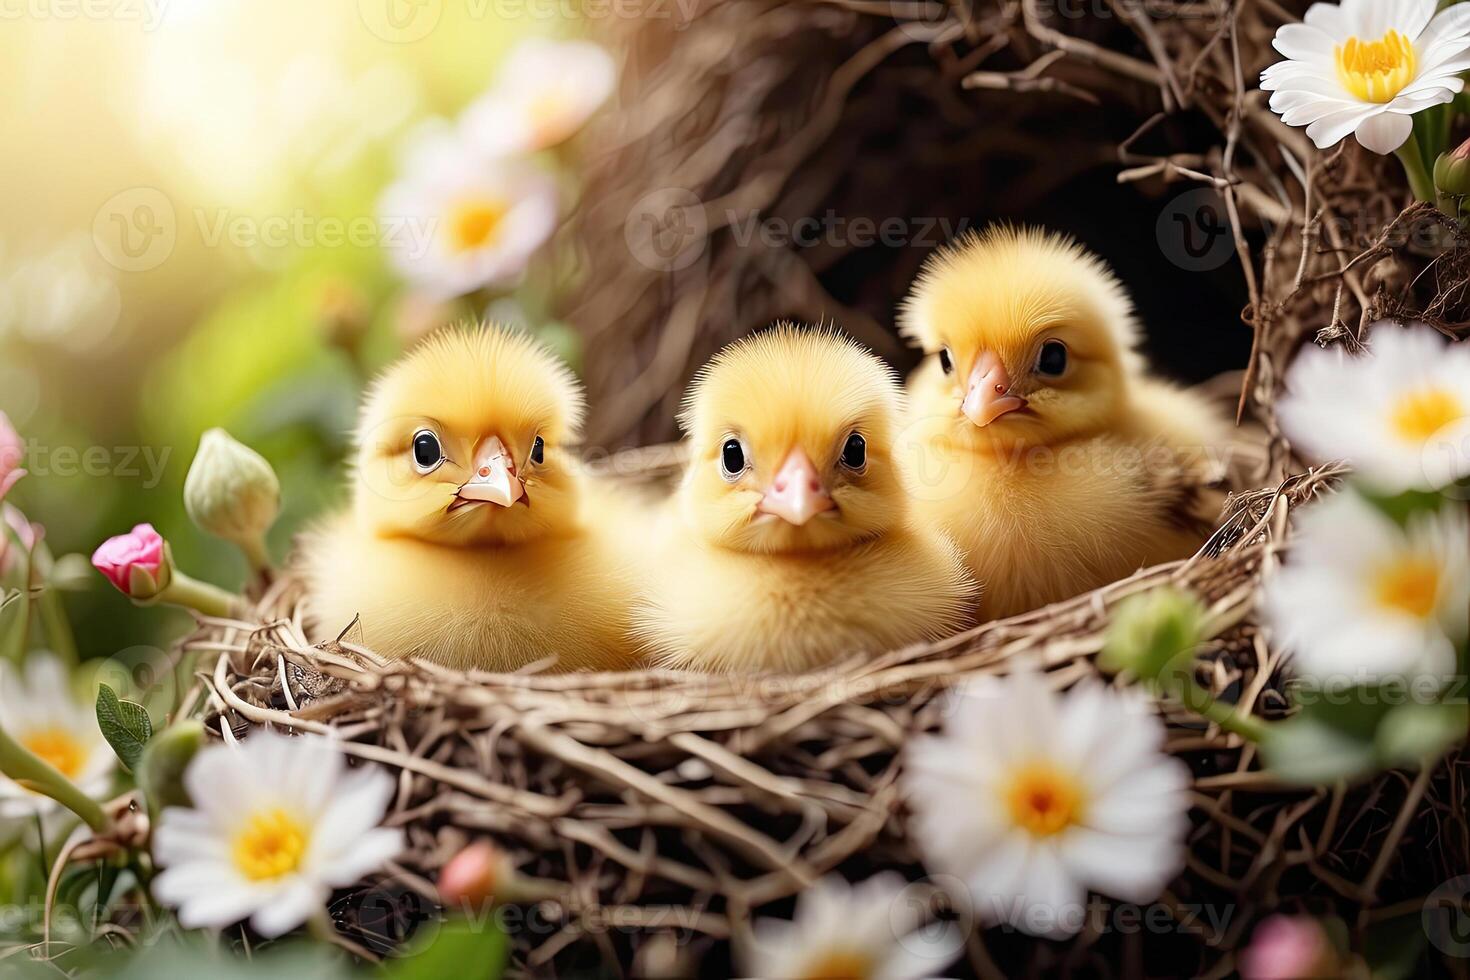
point(670, 806)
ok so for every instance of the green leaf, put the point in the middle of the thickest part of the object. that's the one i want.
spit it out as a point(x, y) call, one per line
point(469, 950)
point(1394, 947)
point(72, 573)
point(1306, 750)
point(162, 766)
point(1401, 507)
point(1412, 734)
point(13, 623)
point(125, 725)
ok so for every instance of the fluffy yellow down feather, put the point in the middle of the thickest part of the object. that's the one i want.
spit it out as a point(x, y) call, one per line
point(1036, 436)
point(754, 572)
point(433, 568)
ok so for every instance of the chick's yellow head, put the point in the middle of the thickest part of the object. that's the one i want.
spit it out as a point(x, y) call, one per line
point(463, 442)
point(791, 433)
point(1032, 339)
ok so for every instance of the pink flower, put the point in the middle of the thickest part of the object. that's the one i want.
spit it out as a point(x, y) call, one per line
point(28, 533)
point(137, 563)
point(12, 452)
point(1286, 947)
point(475, 875)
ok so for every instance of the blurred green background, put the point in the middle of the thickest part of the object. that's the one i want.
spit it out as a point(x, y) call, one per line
point(125, 332)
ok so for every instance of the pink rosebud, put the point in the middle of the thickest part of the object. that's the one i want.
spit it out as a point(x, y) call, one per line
point(478, 874)
point(28, 533)
point(12, 451)
point(1286, 947)
point(137, 563)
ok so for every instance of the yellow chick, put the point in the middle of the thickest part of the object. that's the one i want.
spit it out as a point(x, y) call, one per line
point(790, 542)
point(1039, 440)
point(470, 539)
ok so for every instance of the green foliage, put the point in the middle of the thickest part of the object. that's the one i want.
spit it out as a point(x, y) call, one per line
point(1151, 631)
point(161, 768)
point(1351, 733)
point(460, 949)
point(125, 725)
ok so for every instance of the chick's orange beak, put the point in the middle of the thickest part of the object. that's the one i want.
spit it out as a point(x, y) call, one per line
point(495, 480)
point(797, 493)
point(988, 395)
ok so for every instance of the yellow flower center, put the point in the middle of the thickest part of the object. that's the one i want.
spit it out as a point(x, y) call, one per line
point(1043, 800)
point(1420, 414)
point(475, 223)
point(59, 748)
point(839, 964)
point(1376, 71)
point(271, 845)
point(1410, 585)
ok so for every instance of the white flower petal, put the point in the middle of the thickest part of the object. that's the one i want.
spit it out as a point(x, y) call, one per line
point(1133, 868)
point(1332, 128)
point(1328, 18)
point(288, 908)
point(1110, 742)
point(368, 854)
point(1375, 18)
point(1303, 41)
point(868, 920)
point(204, 900)
point(1052, 904)
point(1450, 26)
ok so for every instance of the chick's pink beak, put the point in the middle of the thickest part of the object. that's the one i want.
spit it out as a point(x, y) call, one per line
point(988, 396)
point(797, 493)
point(495, 480)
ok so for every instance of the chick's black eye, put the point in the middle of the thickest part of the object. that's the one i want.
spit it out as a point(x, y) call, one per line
point(427, 453)
point(1052, 360)
point(945, 361)
point(538, 451)
point(732, 459)
point(855, 452)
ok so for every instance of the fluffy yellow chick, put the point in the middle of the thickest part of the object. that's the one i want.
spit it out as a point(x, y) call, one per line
point(790, 542)
point(470, 538)
point(1039, 440)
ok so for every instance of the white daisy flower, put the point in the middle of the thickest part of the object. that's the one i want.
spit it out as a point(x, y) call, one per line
point(277, 823)
point(1366, 66)
point(849, 931)
point(41, 711)
point(457, 220)
point(1400, 414)
point(1032, 798)
point(1363, 598)
point(544, 93)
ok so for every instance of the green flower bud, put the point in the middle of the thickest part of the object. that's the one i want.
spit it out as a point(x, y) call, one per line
point(232, 493)
point(1150, 631)
point(161, 769)
point(1452, 171)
